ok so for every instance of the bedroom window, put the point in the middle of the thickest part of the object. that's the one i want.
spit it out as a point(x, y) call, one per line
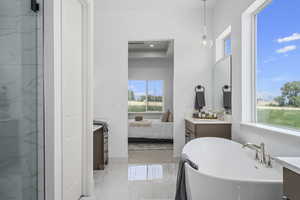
point(145, 96)
point(277, 59)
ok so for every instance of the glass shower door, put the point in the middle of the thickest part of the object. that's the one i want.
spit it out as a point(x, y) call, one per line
point(21, 101)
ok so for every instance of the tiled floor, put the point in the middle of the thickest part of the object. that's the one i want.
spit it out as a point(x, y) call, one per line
point(147, 175)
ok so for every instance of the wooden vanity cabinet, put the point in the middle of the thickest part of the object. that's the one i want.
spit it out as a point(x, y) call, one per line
point(198, 130)
point(100, 152)
point(291, 185)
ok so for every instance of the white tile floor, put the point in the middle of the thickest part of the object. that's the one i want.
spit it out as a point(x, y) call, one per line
point(147, 175)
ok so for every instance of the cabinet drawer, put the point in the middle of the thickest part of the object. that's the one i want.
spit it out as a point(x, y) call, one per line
point(214, 130)
point(291, 182)
point(190, 126)
point(189, 135)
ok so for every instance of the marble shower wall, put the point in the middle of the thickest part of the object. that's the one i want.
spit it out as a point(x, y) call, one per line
point(21, 102)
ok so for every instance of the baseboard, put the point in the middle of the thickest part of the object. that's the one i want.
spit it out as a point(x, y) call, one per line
point(149, 140)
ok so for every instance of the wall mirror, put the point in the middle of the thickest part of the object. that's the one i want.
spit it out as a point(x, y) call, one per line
point(222, 85)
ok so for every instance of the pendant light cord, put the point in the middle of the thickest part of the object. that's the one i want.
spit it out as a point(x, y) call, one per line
point(204, 12)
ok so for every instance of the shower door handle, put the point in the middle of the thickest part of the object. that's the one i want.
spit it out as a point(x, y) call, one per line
point(35, 6)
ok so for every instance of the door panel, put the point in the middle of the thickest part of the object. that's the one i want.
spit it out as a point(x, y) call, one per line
point(21, 102)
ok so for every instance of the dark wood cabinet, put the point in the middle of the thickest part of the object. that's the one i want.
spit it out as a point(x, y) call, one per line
point(291, 184)
point(197, 130)
point(100, 149)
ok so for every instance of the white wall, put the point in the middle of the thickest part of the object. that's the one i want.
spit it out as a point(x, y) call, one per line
point(154, 69)
point(120, 21)
point(277, 144)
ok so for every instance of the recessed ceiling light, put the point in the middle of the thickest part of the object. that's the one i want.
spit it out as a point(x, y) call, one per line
point(151, 45)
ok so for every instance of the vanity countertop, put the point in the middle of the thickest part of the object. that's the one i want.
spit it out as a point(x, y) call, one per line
point(206, 121)
point(96, 127)
point(291, 163)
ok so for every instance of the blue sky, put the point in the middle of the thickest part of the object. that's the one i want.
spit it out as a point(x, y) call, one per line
point(278, 46)
point(155, 87)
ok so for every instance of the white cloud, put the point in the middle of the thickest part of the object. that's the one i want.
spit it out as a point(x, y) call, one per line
point(280, 78)
point(266, 96)
point(287, 49)
point(269, 60)
point(294, 36)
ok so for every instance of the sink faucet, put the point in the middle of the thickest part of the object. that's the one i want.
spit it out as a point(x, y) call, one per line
point(251, 146)
point(263, 153)
point(259, 149)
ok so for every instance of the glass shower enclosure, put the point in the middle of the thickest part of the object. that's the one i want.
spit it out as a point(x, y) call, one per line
point(21, 101)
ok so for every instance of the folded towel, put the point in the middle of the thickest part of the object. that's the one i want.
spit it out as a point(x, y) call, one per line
point(199, 100)
point(227, 99)
point(181, 193)
point(103, 124)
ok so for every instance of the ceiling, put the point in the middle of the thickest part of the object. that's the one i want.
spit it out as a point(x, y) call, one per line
point(153, 5)
point(148, 45)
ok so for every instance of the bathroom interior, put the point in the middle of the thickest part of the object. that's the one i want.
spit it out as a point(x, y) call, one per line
point(149, 100)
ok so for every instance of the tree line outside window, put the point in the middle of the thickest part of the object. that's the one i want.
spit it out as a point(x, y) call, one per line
point(145, 96)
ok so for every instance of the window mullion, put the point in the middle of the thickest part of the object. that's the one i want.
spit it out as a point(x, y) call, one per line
point(254, 66)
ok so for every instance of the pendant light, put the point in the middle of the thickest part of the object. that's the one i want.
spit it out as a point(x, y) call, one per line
point(206, 42)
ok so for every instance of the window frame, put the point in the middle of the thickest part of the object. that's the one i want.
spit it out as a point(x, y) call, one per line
point(146, 93)
point(220, 44)
point(248, 72)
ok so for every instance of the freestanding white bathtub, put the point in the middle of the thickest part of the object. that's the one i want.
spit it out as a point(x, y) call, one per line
point(229, 172)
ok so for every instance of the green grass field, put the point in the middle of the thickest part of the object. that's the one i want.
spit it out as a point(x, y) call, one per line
point(140, 106)
point(279, 117)
point(132, 108)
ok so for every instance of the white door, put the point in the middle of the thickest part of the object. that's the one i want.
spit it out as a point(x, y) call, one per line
point(72, 102)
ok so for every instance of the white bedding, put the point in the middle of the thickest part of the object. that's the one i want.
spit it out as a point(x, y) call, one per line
point(157, 130)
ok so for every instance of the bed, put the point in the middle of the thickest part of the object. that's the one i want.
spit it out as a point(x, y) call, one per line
point(150, 129)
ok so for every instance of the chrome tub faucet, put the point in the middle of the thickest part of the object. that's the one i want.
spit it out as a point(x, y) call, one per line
point(260, 154)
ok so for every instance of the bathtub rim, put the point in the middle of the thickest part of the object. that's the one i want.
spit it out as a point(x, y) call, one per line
point(261, 181)
point(267, 181)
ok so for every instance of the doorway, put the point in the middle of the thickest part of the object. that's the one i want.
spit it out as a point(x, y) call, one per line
point(150, 97)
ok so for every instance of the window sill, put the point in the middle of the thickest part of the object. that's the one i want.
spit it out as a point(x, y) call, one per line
point(276, 130)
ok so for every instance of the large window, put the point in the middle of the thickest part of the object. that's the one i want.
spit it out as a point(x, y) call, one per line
point(145, 96)
point(278, 64)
